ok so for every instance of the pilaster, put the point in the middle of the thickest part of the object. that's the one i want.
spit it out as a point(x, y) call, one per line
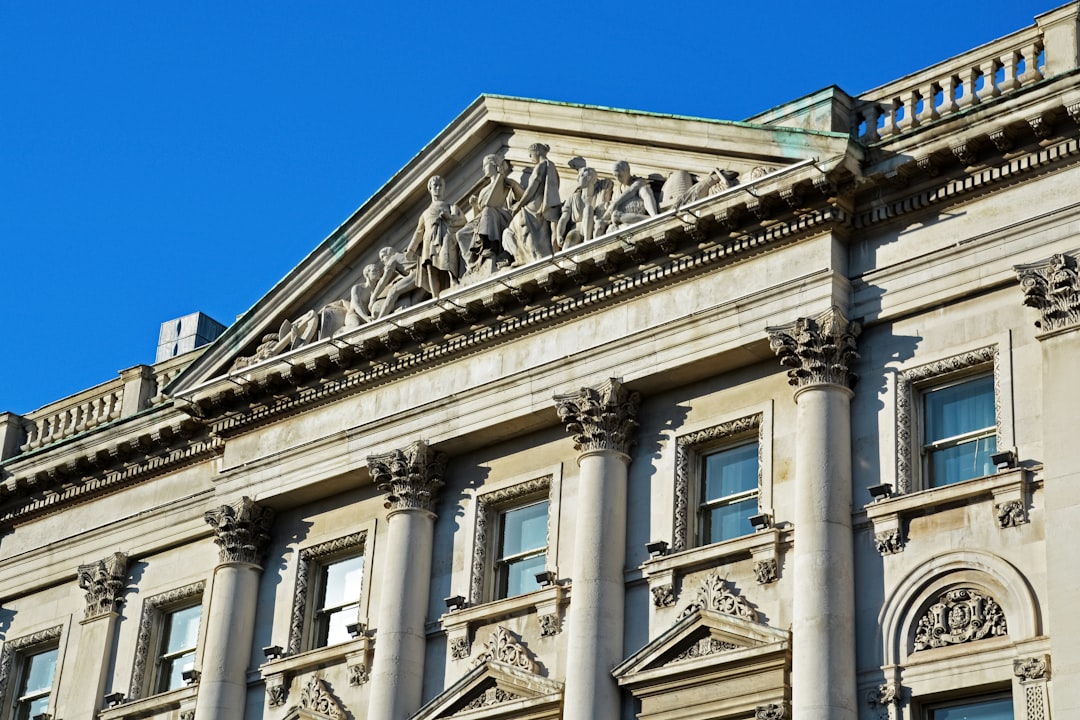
point(819, 353)
point(410, 478)
point(602, 422)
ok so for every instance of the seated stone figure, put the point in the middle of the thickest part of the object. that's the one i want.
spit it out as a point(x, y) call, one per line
point(582, 212)
point(632, 199)
point(481, 238)
point(397, 280)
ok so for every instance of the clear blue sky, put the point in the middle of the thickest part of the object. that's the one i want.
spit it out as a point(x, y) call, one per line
point(161, 158)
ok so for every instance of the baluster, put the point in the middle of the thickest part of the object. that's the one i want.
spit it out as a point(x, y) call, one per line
point(870, 113)
point(889, 109)
point(82, 416)
point(1031, 63)
point(948, 95)
point(989, 69)
point(928, 94)
point(115, 402)
point(1009, 61)
point(909, 99)
point(967, 82)
point(33, 432)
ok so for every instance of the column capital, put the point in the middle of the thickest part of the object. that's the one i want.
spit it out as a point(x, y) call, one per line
point(410, 477)
point(104, 583)
point(1052, 288)
point(819, 349)
point(241, 531)
point(602, 418)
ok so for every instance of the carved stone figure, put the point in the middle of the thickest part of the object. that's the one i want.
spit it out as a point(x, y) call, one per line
point(528, 237)
point(481, 238)
point(632, 199)
point(360, 295)
point(680, 188)
point(434, 246)
point(397, 281)
point(582, 213)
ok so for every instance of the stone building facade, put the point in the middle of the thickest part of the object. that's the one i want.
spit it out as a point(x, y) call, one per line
point(602, 414)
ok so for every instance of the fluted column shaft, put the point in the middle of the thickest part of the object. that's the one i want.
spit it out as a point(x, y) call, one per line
point(410, 479)
point(241, 532)
point(820, 352)
point(602, 421)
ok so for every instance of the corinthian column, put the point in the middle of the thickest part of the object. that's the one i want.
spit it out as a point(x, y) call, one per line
point(602, 421)
point(241, 532)
point(820, 352)
point(1053, 288)
point(104, 582)
point(410, 478)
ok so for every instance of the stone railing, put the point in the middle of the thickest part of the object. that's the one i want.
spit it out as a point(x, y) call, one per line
point(73, 415)
point(1002, 66)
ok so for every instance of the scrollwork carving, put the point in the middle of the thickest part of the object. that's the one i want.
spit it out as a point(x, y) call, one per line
point(241, 531)
point(704, 647)
point(718, 595)
point(889, 542)
point(884, 694)
point(765, 571)
point(317, 696)
point(959, 616)
point(1010, 513)
point(772, 711)
point(358, 674)
point(1032, 668)
point(104, 583)
point(549, 625)
point(504, 646)
point(276, 693)
point(459, 648)
point(491, 696)
point(819, 350)
point(663, 595)
point(602, 418)
point(1052, 287)
point(409, 477)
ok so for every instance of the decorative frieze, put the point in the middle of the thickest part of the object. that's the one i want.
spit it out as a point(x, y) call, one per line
point(104, 583)
point(503, 646)
point(818, 350)
point(241, 531)
point(703, 648)
point(602, 418)
point(491, 696)
point(1052, 288)
point(409, 477)
point(959, 616)
point(718, 595)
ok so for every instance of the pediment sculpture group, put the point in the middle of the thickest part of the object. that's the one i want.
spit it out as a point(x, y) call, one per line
point(511, 223)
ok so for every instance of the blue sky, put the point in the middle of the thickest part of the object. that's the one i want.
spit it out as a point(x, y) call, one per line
point(162, 158)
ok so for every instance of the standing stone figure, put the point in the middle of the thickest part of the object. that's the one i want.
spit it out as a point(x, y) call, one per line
point(529, 236)
point(434, 246)
point(633, 199)
point(582, 212)
point(481, 238)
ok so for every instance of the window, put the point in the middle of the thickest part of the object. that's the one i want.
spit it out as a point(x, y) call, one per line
point(959, 431)
point(999, 708)
point(729, 493)
point(522, 549)
point(176, 651)
point(337, 600)
point(35, 684)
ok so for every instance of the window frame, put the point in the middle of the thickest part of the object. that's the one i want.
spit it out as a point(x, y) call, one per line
point(145, 672)
point(162, 656)
point(502, 562)
point(706, 506)
point(928, 709)
point(312, 560)
point(928, 447)
point(13, 667)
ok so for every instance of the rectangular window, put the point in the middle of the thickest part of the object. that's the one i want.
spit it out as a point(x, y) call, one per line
point(729, 493)
point(179, 636)
point(338, 600)
point(959, 431)
point(35, 684)
point(988, 709)
point(522, 549)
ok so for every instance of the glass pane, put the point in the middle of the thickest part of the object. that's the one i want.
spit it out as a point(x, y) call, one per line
point(29, 710)
point(962, 462)
point(520, 575)
point(959, 409)
point(181, 630)
point(172, 670)
point(731, 471)
point(524, 529)
point(1001, 709)
point(729, 521)
point(39, 672)
point(332, 626)
point(341, 581)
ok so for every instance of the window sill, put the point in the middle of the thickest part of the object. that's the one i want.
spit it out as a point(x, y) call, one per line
point(1009, 491)
point(180, 699)
point(546, 603)
point(762, 546)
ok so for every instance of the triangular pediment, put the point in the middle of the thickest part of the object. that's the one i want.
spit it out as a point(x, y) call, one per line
point(677, 157)
point(495, 689)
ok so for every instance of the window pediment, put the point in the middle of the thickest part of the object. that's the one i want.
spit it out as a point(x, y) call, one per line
point(496, 689)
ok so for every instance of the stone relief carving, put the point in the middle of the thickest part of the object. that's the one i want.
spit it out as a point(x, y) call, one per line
point(316, 696)
point(959, 616)
point(819, 350)
point(889, 542)
point(582, 216)
point(276, 692)
point(702, 648)
point(765, 571)
point(687, 448)
point(1052, 288)
point(358, 674)
point(528, 237)
point(187, 715)
point(603, 418)
point(459, 648)
point(481, 237)
point(1032, 668)
point(549, 625)
point(434, 247)
point(885, 700)
point(681, 188)
point(718, 595)
point(1010, 513)
point(104, 583)
point(409, 477)
point(241, 531)
point(504, 646)
point(905, 404)
point(16, 645)
point(306, 557)
point(771, 711)
point(663, 595)
point(632, 199)
point(491, 696)
point(486, 505)
point(147, 620)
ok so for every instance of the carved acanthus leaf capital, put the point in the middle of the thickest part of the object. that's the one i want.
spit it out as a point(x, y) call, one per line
point(410, 477)
point(1052, 287)
point(602, 418)
point(818, 350)
point(241, 531)
point(104, 583)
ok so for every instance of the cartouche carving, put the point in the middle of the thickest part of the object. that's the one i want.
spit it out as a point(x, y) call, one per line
point(959, 616)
